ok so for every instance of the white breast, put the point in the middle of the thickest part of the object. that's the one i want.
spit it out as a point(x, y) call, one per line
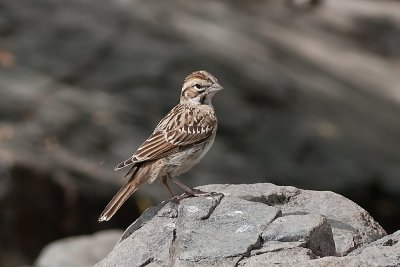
point(183, 161)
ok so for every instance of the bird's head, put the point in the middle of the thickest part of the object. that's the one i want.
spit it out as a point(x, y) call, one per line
point(199, 88)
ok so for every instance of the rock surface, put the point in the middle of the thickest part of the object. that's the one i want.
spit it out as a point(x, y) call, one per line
point(81, 251)
point(246, 225)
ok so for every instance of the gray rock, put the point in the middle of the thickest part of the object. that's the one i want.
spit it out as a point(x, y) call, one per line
point(386, 241)
point(81, 251)
point(311, 229)
point(273, 246)
point(288, 256)
point(383, 252)
point(351, 225)
point(150, 243)
point(250, 225)
point(232, 230)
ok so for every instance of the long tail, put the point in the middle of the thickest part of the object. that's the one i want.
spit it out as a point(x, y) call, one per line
point(122, 195)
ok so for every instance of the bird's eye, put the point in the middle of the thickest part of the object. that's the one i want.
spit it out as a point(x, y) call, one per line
point(198, 86)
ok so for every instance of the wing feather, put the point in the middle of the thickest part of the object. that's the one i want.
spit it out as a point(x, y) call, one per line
point(168, 138)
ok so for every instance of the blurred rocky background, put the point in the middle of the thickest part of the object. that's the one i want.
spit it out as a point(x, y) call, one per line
point(312, 100)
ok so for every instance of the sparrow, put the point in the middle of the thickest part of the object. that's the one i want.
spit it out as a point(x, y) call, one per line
point(179, 141)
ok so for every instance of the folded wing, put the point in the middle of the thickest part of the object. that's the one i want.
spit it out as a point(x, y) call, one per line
point(172, 137)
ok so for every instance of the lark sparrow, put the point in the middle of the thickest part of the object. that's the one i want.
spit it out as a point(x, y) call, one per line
point(180, 141)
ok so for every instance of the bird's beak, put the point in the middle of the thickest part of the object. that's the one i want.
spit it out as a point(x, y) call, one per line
point(216, 87)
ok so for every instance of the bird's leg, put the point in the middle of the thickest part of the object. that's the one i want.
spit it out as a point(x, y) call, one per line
point(188, 190)
point(166, 186)
point(185, 188)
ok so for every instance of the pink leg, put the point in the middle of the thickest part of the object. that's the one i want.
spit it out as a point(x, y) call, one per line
point(166, 186)
point(188, 190)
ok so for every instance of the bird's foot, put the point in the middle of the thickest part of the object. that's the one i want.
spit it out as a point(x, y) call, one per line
point(192, 193)
point(199, 193)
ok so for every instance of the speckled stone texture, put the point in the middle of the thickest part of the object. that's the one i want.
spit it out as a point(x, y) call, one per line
point(252, 224)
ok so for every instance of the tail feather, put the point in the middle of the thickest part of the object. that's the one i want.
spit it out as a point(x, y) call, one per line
point(116, 202)
point(121, 196)
point(145, 172)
